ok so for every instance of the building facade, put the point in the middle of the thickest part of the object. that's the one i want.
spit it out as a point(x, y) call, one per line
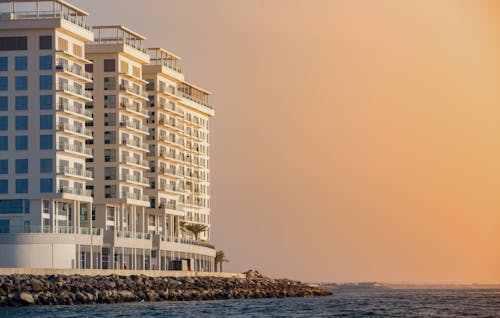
point(103, 147)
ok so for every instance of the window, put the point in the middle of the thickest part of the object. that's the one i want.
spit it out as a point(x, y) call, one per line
point(109, 119)
point(89, 67)
point(4, 166)
point(62, 44)
point(21, 122)
point(109, 83)
point(4, 187)
point(14, 206)
point(109, 65)
point(109, 155)
point(45, 101)
point(4, 123)
point(46, 165)
point(45, 82)
point(45, 42)
point(46, 142)
point(4, 83)
point(46, 62)
point(4, 103)
point(21, 165)
point(21, 102)
point(4, 63)
point(4, 143)
point(4, 226)
point(110, 191)
point(21, 83)
point(109, 137)
point(46, 185)
point(77, 50)
point(109, 101)
point(21, 142)
point(14, 43)
point(45, 121)
point(21, 63)
point(110, 173)
point(21, 185)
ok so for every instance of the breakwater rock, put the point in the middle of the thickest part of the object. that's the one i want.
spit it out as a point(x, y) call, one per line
point(26, 290)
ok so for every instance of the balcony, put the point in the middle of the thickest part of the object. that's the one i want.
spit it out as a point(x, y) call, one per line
point(171, 109)
point(134, 91)
point(135, 144)
point(172, 188)
point(168, 91)
point(75, 191)
point(171, 173)
point(171, 124)
point(75, 72)
point(76, 150)
point(192, 203)
point(135, 198)
point(134, 126)
point(171, 156)
point(72, 110)
point(73, 172)
point(135, 162)
point(74, 92)
point(73, 17)
point(135, 109)
point(74, 130)
point(135, 180)
point(172, 141)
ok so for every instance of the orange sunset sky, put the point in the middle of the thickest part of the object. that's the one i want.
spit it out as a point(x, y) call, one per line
point(353, 140)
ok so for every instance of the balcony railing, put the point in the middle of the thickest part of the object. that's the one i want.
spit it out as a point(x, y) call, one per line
point(75, 172)
point(133, 125)
point(172, 140)
point(133, 178)
point(170, 206)
point(193, 99)
point(135, 196)
point(133, 108)
point(172, 108)
point(133, 143)
point(134, 90)
point(73, 90)
point(74, 129)
point(77, 191)
point(133, 235)
point(170, 187)
point(72, 109)
point(171, 123)
point(74, 148)
point(185, 241)
point(74, 70)
point(36, 229)
point(135, 161)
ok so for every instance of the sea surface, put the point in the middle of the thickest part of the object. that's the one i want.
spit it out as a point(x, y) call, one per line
point(345, 303)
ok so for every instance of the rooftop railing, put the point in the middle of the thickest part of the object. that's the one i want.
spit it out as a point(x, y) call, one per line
point(37, 15)
point(185, 241)
point(36, 229)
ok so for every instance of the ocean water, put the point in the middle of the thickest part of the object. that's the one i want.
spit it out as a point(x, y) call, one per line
point(354, 303)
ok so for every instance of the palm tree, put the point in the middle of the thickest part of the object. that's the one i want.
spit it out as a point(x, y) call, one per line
point(194, 228)
point(219, 258)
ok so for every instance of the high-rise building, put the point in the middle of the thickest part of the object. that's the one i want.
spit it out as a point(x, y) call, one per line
point(103, 147)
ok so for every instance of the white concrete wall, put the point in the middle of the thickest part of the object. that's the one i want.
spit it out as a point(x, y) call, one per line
point(38, 255)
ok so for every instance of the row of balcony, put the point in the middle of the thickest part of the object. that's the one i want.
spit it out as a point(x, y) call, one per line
point(75, 172)
point(75, 149)
point(35, 229)
point(74, 71)
point(79, 92)
point(74, 129)
point(80, 111)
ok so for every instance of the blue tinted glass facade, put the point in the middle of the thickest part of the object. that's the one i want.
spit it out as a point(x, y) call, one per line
point(4, 143)
point(22, 186)
point(46, 185)
point(4, 64)
point(21, 102)
point(46, 62)
point(45, 82)
point(46, 142)
point(46, 165)
point(21, 83)
point(21, 122)
point(45, 101)
point(45, 121)
point(4, 103)
point(4, 166)
point(21, 63)
point(21, 165)
point(21, 142)
point(4, 123)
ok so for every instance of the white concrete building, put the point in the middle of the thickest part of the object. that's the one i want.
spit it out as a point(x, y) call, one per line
point(103, 146)
point(44, 205)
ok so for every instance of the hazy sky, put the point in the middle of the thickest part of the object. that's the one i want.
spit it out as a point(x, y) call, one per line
point(353, 140)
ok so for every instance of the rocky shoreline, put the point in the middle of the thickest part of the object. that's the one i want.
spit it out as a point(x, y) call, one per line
point(27, 290)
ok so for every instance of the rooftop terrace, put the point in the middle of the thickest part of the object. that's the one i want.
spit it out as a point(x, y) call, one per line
point(42, 9)
point(118, 34)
